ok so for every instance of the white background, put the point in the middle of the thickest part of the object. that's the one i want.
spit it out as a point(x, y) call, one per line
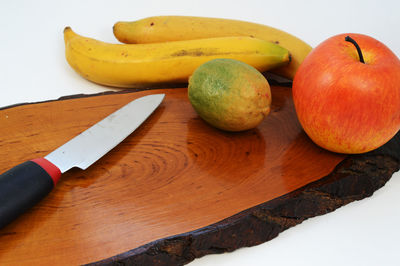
point(33, 68)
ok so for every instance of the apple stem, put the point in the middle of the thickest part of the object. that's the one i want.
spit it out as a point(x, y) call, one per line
point(360, 55)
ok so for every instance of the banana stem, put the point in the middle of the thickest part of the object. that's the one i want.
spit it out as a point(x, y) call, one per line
point(360, 55)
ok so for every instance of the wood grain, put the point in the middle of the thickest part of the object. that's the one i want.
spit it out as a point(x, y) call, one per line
point(355, 178)
point(174, 175)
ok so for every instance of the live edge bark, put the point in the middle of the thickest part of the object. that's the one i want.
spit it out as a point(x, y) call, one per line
point(355, 178)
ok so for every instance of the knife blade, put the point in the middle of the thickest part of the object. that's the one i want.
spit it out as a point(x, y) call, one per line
point(26, 184)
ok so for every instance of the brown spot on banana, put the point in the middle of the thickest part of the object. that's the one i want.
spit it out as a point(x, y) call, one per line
point(192, 52)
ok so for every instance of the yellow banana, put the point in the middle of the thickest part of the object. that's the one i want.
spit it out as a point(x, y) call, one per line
point(133, 65)
point(176, 28)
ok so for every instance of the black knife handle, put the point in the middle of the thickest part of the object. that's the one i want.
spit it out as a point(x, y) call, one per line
point(25, 185)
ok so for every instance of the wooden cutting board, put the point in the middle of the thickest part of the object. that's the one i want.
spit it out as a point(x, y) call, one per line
point(176, 189)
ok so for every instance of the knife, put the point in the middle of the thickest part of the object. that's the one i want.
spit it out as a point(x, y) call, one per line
point(26, 184)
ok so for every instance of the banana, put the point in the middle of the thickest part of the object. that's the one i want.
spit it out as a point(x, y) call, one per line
point(176, 28)
point(138, 65)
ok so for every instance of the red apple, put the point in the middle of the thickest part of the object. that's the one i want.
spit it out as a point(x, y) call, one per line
point(343, 104)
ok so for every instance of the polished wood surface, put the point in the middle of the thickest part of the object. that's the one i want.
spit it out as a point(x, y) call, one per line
point(173, 175)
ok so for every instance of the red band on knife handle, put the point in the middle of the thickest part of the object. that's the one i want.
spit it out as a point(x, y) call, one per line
point(50, 168)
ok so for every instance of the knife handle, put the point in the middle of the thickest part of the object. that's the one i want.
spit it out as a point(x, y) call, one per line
point(25, 185)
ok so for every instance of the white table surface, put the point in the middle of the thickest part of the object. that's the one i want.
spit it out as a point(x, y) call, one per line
point(33, 68)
